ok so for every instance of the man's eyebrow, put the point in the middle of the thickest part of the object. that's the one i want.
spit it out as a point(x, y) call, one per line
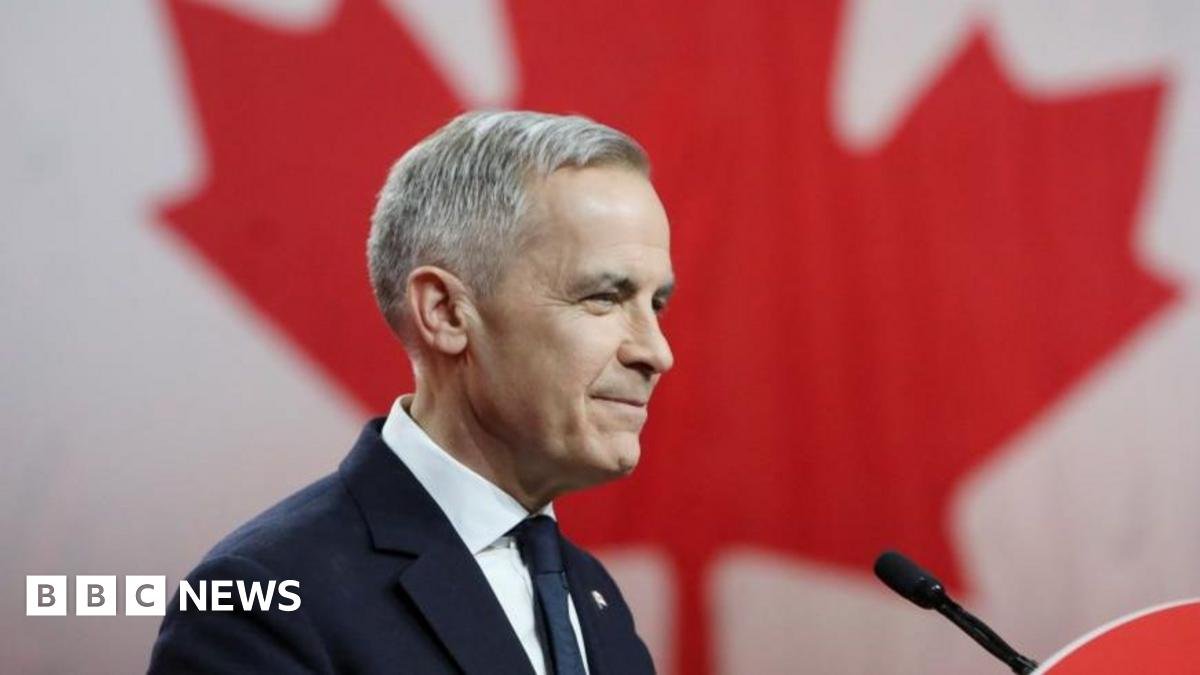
point(600, 280)
point(618, 282)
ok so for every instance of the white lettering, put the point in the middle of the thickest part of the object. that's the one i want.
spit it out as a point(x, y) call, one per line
point(46, 595)
point(186, 591)
point(222, 591)
point(294, 597)
point(256, 593)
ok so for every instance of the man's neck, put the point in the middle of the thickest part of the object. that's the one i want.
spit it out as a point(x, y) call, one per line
point(450, 422)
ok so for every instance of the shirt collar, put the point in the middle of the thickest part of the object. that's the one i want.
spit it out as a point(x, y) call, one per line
point(480, 511)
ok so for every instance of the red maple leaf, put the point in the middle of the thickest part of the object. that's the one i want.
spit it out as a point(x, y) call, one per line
point(854, 333)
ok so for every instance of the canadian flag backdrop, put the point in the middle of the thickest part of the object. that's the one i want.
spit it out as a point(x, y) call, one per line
point(937, 267)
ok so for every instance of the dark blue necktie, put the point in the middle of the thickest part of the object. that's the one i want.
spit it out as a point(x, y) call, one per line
point(537, 539)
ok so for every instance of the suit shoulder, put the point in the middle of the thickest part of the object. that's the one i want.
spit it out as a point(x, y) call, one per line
point(319, 516)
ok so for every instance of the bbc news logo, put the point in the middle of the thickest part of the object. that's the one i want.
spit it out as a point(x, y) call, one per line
point(146, 595)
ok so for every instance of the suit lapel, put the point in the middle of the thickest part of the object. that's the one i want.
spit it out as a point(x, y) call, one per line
point(451, 592)
point(444, 582)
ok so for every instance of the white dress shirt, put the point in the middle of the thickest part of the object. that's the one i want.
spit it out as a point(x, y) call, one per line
point(481, 513)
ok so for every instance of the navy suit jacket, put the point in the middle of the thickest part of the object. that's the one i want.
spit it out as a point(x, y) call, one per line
point(386, 586)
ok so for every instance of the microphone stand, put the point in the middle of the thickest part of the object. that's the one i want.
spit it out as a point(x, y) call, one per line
point(985, 636)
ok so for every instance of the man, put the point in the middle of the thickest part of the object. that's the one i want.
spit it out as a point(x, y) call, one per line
point(523, 259)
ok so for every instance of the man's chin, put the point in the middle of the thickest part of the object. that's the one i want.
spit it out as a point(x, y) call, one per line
point(613, 463)
point(627, 463)
point(625, 459)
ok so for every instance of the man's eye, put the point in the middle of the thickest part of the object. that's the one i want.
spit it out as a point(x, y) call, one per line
point(603, 298)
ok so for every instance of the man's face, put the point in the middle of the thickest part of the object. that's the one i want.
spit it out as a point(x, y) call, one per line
point(569, 347)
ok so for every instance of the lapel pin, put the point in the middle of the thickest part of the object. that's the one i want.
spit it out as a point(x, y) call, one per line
point(600, 601)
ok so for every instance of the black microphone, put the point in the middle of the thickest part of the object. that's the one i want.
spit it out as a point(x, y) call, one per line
point(925, 591)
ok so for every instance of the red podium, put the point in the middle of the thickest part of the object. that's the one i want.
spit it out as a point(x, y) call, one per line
point(1158, 640)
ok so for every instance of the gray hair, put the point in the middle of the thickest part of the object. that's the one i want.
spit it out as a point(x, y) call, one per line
point(458, 199)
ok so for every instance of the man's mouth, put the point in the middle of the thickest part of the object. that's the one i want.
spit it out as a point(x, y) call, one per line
point(627, 400)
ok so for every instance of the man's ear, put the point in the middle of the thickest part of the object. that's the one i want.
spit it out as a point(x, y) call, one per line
point(439, 304)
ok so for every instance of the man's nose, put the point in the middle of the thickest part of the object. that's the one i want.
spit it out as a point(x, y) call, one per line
point(647, 348)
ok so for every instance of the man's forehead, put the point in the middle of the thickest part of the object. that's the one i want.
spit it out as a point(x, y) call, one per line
point(598, 226)
point(621, 199)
